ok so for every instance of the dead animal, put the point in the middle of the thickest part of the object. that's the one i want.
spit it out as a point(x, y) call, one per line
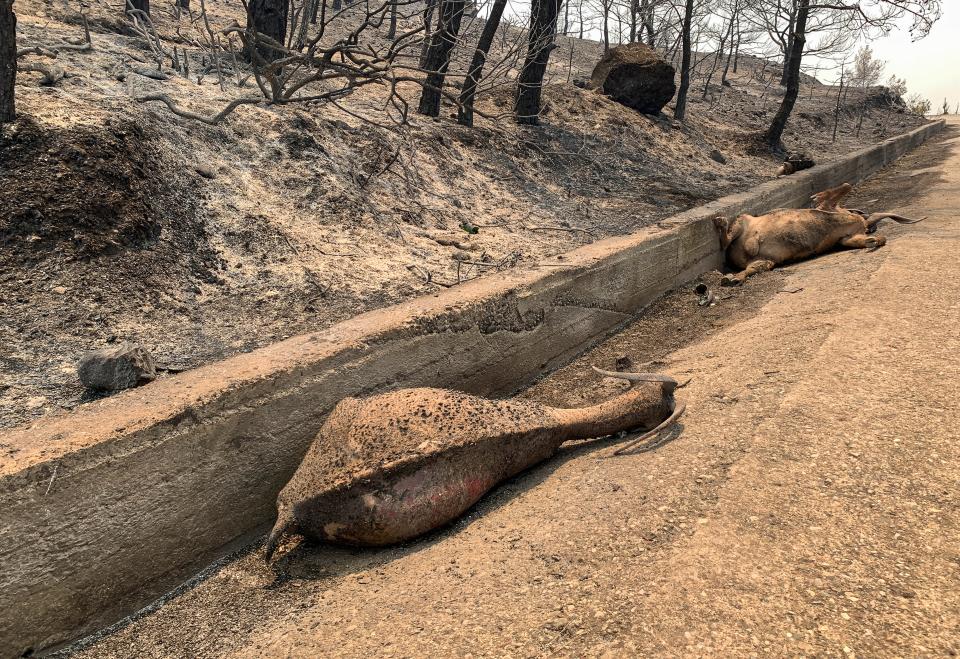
point(794, 163)
point(758, 243)
point(396, 465)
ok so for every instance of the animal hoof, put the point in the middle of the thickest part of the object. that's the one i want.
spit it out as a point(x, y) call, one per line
point(727, 280)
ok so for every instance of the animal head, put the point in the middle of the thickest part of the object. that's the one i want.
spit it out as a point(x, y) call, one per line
point(785, 169)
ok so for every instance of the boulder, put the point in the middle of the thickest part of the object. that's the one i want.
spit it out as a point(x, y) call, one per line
point(114, 369)
point(635, 76)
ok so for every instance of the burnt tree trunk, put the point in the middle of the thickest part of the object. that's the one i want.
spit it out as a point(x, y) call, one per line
point(183, 4)
point(718, 57)
point(8, 60)
point(141, 5)
point(427, 21)
point(647, 19)
point(775, 132)
point(836, 111)
point(465, 113)
point(681, 108)
point(543, 27)
point(788, 53)
point(392, 32)
point(269, 18)
point(606, 28)
point(438, 55)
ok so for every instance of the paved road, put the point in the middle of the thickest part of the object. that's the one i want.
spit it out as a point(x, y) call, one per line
point(810, 505)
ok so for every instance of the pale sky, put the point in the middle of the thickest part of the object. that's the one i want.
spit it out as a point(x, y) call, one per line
point(930, 66)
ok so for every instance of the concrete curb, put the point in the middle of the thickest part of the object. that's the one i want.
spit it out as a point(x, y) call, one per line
point(109, 506)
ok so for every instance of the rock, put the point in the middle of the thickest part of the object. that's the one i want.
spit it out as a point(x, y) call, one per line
point(114, 369)
point(204, 171)
point(635, 76)
point(716, 156)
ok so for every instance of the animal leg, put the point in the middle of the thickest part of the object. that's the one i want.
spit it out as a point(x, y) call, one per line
point(760, 265)
point(863, 241)
point(829, 200)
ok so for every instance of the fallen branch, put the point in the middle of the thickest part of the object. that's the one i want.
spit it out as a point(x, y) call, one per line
point(151, 73)
point(551, 228)
point(186, 114)
point(427, 276)
point(52, 74)
point(36, 50)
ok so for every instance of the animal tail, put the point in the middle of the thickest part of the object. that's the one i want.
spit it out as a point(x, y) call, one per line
point(678, 411)
point(285, 524)
point(875, 218)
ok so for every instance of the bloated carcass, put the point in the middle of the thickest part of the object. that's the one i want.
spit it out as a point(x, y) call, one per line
point(758, 243)
point(396, 465)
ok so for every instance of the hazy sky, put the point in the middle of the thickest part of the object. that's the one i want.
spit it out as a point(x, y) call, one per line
point(930, 66)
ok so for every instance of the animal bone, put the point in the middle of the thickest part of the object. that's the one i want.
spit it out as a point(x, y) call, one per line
point(396, 465)
point(758, 243)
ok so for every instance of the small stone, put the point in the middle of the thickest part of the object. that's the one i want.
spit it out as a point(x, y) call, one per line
point(204, 171)
point(716, 156)
point(59, 290)
point(114, 369)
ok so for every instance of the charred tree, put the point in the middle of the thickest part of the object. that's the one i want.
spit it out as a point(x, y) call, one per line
point(646, 18)
point(139, 5)
point(8, 60)
point(269, 18)
point(680, 111)
point(183, 4)
point(774, 134)
point(438, 55)
point(543, 28)
point(428, 10)
point(465, 113)
point(392, 32)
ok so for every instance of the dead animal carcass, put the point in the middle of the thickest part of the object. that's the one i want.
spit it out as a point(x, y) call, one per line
point(795, 162)
point(758, 243)
point(394, 466)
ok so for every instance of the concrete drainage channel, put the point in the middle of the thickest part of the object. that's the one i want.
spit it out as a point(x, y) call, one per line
point(111, 505)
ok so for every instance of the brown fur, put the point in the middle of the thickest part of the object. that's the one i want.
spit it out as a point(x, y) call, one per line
point(758, 243)
point(396, 465)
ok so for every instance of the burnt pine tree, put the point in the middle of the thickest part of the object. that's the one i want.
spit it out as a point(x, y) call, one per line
point(268, 18)
point(680, 110)
point(8, 60)
point(465, 113)
point(543, 28)
point(442, 41)
point(775, 132)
